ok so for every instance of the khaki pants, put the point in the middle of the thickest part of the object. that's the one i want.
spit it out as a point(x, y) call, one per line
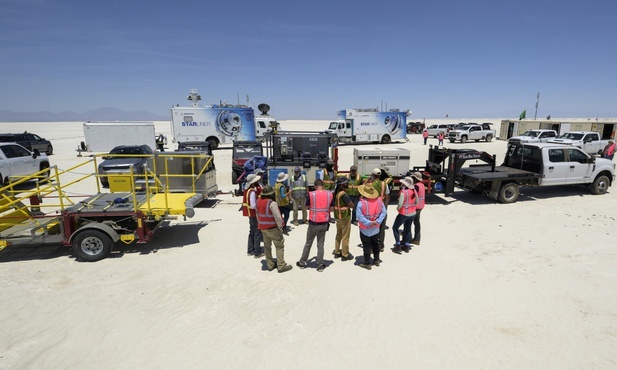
point(343, 229)
point(302, 203)
point(274, 235)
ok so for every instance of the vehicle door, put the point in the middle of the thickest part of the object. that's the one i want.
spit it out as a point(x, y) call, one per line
point(579, 168)
point(474, 133)
point(36, 142)
point(592, 143)
point(17, 161)
point(260, 128)
point(556, 167)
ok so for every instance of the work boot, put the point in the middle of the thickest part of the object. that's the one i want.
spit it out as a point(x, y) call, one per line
point(365, 266)
point(406, 248)
point(301, 264)
point(397, 249)
point(415, 242)
point(320, 268)
point(285, 268)
point(295, 223)
point(376, 263)
point(347, 257)
point(337, 254)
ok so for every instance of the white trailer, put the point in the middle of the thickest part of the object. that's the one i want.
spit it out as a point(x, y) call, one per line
point(218, 123)
point(369, 125)
point(104, 136)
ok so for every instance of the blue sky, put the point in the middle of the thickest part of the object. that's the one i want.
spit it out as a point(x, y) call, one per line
point(309, 59)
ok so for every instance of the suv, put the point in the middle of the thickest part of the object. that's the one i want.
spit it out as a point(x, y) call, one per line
point(434, 130)
point(126, 156)
point(29, 141)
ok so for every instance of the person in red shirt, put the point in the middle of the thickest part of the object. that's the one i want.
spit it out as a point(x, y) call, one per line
point(249, 204)
point(421, 191)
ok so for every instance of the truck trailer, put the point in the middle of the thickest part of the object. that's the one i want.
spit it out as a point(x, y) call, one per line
point(369, 125)
point(104, 136)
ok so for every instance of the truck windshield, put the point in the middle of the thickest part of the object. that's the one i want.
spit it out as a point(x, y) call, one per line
point(572, 136)
point(531, 133)
point(333, 125)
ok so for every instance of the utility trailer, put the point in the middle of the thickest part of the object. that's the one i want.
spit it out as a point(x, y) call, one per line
point(92, 225)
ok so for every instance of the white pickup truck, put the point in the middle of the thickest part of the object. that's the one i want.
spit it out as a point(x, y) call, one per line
point(534, 164)
point(589, 142)
point(15, 160)
point(534, 136)
point(471, 132)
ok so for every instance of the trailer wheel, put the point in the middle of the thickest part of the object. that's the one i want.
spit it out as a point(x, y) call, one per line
point(489, 138)
point(463, 139)
point(92, 245)
point(385, 139)
point(600, 185)
point(509, 193)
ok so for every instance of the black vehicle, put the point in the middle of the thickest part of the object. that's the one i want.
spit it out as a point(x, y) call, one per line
point(121, 158)
point(29, 141)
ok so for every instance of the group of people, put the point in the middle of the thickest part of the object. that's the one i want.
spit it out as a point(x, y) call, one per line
point(349, 198)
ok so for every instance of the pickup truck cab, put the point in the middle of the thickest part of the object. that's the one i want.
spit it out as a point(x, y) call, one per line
point(29, 141)
point(15, 160)
point(589, 142)
point(534, 136)
point(471, 132)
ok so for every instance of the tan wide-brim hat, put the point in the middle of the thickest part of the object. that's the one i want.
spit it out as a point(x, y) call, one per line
point(408, 182)
point(251, 179)
point(368, 191)
point(417, 176)
point(282, 177)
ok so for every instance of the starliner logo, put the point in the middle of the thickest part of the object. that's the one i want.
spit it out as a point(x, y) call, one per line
point(368, 123)
point(184, 124)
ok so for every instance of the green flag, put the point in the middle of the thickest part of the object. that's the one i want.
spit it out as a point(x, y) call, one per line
point(523, 115)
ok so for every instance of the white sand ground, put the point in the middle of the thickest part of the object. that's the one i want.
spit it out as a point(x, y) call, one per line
point(529, 285)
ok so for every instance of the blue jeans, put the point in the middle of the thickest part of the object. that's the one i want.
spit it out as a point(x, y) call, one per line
point(285, 211)
point(255, 237)
point(406, 221)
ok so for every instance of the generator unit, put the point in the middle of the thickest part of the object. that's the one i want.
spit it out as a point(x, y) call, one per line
point(396, 159)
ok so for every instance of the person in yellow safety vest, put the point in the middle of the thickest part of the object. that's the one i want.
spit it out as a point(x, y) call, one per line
point(329, 175)
point(342, 213)
point(298, 194)
point(249, 203)
point(355, 180)
point(282, 196)
point(371, 213)
point(270, 223)
point(406, 207)
point(320, 204)
point(421, 190)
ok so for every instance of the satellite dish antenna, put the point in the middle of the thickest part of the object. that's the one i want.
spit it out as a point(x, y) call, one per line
point(263, 108)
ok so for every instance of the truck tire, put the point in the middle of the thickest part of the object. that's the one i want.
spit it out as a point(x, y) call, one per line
point(489, 138)
point(600, 185)
point(214, 143)
point(508, 193)
point(92, 245)
point(44, 166)
point(50, 150)
point(463, 139)
point(385, 139)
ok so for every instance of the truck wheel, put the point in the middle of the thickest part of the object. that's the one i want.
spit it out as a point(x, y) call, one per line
point(508, 193)
point(600, 185)
point(463, 139)
point(50, 150)
point(92, 245)
point(214, 144)
point(385, 139)
point(489, 138)
point(44, 166)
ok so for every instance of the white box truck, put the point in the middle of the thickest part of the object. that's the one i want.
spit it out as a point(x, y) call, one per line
point(104, 136)
point(369, 125)
point(219, 123)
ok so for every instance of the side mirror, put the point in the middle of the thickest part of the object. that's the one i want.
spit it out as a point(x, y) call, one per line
point(36, 153)
point(591, 160)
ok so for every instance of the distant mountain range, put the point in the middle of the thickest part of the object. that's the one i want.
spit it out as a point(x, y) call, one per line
point(102, 114)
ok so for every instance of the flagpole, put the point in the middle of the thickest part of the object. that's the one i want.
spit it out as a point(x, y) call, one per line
point(535, 116)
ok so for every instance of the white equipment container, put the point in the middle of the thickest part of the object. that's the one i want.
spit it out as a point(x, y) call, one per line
point(104, 136)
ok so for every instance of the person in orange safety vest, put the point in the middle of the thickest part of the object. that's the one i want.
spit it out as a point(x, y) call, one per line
point(320, 204)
